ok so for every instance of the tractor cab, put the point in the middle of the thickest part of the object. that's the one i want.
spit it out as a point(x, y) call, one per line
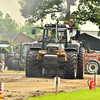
point(57, 34)
point(19, 59)
point(25, 46)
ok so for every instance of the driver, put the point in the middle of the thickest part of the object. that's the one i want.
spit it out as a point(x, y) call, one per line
point(53, 35)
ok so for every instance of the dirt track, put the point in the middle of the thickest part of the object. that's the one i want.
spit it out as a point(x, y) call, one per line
point(16, 85)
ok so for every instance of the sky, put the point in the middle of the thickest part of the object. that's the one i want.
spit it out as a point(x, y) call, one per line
point(12, 8)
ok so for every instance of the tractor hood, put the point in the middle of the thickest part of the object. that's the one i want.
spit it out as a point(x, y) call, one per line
point(53, 45)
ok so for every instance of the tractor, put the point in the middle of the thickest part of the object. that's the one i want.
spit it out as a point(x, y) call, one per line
point(58, 56)
point(92, 63)
point(92, 59)
point(20, 56)
point(6, 53)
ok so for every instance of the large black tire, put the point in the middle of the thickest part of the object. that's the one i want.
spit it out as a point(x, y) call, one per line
point(33, 68)
point(81, 63)
point(92, 66)
point(27, 53)
point(15, 65)
point(60, 70)
point(9, 62)
point(71, 65)
point(21, 67)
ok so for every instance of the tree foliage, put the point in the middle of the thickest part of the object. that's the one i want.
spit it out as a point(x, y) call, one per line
point(7, 24)
point(33, 10)
point(27, 29)
point(88, 10)
point(10, 24)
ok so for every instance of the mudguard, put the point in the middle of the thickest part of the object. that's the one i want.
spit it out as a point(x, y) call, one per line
point(73, 46)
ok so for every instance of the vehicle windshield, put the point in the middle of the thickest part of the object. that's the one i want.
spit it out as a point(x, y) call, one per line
point(5, 48)
point(50, 37)
point(25, 46)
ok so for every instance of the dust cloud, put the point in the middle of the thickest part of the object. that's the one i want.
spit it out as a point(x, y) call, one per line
point(65, 10)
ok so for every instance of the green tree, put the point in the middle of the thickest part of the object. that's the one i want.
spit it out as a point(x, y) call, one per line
point(88, 10)
point(33, 10)
point(10, 24)
point(1, 14)
point(27, 29)
point(2, 27)
point(7, 24)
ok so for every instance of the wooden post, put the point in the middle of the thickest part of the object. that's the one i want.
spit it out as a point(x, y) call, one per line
point(95, 79)
point(0, 86)
point(56, 85)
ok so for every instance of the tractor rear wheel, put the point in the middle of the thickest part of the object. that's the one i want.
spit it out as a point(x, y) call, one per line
point(33, 68)
point(27, 53)
point(15, 65)
point(81, 63)
point(21, 67)
point(92, 66)
point(71, 65)
point(9, 62)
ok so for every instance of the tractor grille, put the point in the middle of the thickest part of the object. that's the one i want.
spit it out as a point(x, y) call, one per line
point(50, 59)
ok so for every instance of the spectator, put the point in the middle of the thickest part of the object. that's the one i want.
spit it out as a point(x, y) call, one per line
point(88, 46)
point(2, 63)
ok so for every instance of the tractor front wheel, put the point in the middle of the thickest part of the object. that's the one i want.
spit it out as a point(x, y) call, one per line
point(9, 62)
point(15, 65)
point(60, 69)
point(33, 68)
point(81, 63)
point(71, 65)
point(93, 66)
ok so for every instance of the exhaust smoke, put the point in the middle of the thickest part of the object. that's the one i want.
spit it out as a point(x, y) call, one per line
point(65, 10)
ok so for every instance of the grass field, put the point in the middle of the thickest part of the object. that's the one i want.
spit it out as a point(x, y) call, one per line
point(84, 94)
point(13, 71)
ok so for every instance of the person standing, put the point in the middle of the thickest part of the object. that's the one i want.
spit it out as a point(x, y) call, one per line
point(2, 63)
point(88, 46)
